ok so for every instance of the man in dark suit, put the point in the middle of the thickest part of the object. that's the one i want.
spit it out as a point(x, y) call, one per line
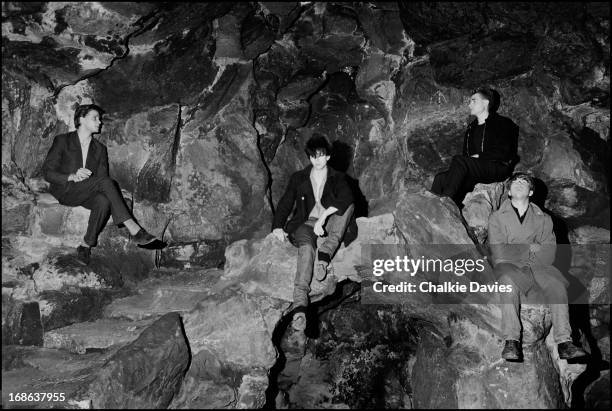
point(77, 168)
point(489, 153)
point(324, 202)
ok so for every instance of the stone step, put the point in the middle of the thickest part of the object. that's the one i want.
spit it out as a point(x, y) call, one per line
point(100, 334)
point(179, 293)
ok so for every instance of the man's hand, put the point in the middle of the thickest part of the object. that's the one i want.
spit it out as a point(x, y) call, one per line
point(318, 227)
point(279, 233)
point(534, 248)
point(80, 175)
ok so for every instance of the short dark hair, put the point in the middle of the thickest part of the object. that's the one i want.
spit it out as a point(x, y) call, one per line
point(521, 176)
point(83, 110)
point(317, 144)
point(491, 95)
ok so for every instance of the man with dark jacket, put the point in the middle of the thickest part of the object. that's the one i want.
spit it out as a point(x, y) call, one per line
point(77, 168)
point(323, 203)
point(523, 248)
point(489, 149)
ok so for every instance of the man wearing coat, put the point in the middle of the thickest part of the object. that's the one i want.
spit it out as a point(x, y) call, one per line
point(323, 205)
point(489, 149)
point(77, 168)
point(523, 248)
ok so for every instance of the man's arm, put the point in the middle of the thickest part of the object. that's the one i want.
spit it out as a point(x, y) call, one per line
point(545, 253)
point(504, 145)
point(343, 198)
point(53, 161)
point(285, 204)
point(497, 239)
point(102, 170)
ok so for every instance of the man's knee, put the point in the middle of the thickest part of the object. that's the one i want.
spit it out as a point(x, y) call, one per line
point(504, 273)
point(458, 163)
point(102, 202)
point(304, 235)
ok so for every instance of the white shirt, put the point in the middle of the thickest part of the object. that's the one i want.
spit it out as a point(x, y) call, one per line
point(317, 189)
point(84, 149)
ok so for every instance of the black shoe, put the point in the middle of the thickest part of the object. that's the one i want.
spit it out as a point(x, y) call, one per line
point(83, 255)
point(512, 351)
point(569, 351)
point(142, 237)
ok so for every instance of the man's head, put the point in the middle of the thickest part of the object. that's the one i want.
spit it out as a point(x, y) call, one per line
point(520, 186)
point(318, 151)
point(484, 100)
point(87, 116)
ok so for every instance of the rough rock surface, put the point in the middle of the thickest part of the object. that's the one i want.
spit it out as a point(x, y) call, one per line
point(146, 373)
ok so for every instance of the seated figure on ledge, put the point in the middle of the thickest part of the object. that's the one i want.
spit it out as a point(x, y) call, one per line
point(489, 149)
point(324, 206)
point(77, 168)
point(523, 247)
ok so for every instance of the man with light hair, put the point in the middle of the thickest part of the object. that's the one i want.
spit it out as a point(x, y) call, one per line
point(523, 247)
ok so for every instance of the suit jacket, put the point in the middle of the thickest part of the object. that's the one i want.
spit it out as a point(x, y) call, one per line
point(299, 192)
point(509, 242)
point(65, 157)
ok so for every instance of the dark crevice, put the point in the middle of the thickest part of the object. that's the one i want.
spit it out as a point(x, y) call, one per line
point(260, 149)
point(144, 23)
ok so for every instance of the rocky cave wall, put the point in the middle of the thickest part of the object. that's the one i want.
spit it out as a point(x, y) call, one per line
point(209, 105)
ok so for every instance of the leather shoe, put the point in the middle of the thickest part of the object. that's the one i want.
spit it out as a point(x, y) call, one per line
point(83, 255)
point(512, 351)
point(142, 237)
point(569, 351)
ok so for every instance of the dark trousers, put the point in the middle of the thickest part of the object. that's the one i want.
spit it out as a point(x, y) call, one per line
point(305, 240)
point(102, 196)
point(464, 173)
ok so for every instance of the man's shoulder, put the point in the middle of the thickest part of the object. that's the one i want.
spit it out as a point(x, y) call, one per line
point(64, 136)
point(498, 118)
point(98, 143)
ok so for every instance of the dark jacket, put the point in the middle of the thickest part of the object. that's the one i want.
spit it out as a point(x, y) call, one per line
point(65, 157)
point(336, 193)
point(509, 242)
point(500, 141)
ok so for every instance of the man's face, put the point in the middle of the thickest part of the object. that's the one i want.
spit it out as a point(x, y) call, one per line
point(478, 105)
point(519, 189)
point(91, 121)
point(319, 161)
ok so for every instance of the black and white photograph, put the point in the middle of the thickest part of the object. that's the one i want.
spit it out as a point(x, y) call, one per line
point(306, 205)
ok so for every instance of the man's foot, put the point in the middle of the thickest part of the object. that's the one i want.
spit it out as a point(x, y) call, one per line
point(569, 351)
point(146, 240)
point(83, 255)
point(142, 237)
point(321, 271)
point(299, 321)
point(512, 351)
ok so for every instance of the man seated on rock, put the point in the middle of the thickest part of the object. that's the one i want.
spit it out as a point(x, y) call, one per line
point(77, 168)
point(323, 208)
point(489, 149)
point(523, 248)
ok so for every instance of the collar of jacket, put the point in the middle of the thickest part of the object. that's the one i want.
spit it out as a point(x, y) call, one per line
point(506, 207)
